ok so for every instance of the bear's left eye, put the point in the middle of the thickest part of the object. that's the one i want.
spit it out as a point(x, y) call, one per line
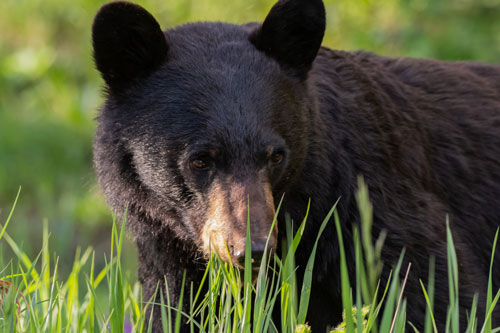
point(199, 164)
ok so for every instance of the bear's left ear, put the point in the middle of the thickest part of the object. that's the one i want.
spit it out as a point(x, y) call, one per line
point(128, 43)
point(292, 34)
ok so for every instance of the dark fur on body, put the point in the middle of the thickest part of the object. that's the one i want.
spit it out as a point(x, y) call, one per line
point(424, 134)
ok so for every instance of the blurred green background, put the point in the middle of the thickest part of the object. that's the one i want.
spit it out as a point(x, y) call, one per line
point(50, 92)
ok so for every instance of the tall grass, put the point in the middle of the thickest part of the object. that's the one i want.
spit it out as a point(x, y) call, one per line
point(35, 298)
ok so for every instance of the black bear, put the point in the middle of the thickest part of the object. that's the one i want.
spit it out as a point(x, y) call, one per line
point(203, 117)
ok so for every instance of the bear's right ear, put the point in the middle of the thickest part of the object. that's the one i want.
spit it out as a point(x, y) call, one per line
point(128, 43)
point(292, 34)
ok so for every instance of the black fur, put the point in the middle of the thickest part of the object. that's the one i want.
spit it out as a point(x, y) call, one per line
point(424, 134)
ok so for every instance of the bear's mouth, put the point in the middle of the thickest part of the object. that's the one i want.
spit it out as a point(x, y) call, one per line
point(256, 263)
point(255, 272)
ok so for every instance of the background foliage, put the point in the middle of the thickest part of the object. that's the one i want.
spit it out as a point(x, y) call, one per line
point(50, 92)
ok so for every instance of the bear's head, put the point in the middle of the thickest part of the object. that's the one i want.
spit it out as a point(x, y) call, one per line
point(207, 124)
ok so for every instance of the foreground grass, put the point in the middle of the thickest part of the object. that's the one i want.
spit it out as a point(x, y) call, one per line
point(35, 298)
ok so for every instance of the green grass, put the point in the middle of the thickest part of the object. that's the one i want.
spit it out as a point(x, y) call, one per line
point(49, 96)
point(34, 297)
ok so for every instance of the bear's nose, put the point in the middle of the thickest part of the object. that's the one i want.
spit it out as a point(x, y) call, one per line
point(257, 253)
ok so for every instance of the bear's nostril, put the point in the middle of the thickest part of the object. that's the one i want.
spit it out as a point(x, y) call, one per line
point(239, 257)
point(256, 258)
point(238, 254)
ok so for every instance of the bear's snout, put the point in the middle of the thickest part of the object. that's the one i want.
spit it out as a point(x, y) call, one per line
point(231, 205)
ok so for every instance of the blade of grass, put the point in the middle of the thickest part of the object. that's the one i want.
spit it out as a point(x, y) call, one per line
point(306, 285)
point(430, 322)
point(289, 292)
point(387, 316)
point(165, 320)
point(400, 297)
point(429, 310)
point(344, 278)
point(490, 287)
point(490, 310)
point(359, 263)
point(261, 287)
point(247, 280)
point(10, 214)
point(472, 320)
point(374, 308)
point(452, 279)
point(179, 311)
point(400, 317)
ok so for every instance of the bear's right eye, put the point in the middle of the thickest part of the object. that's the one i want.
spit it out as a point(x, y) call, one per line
point(277, 158)
point(199, 164)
